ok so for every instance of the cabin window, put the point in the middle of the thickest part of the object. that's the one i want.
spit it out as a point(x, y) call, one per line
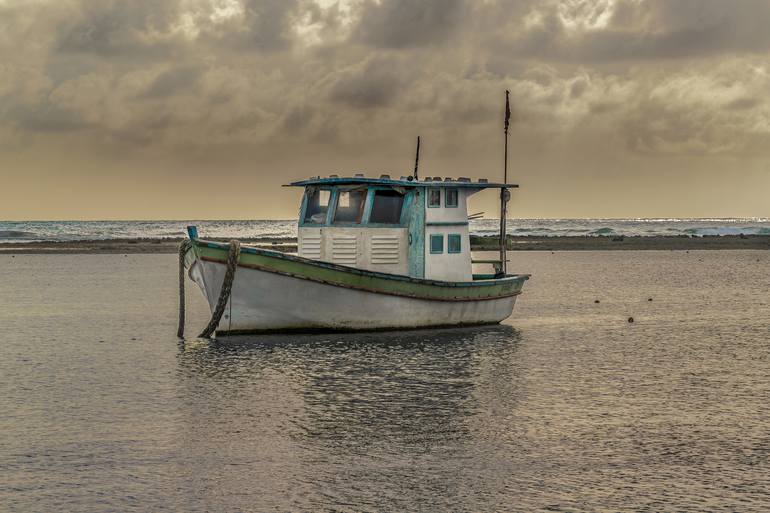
point(386, 207)
point(434, 198)
point(436, 243)
point(450, 198)
point(350, 206)
point(453, 243)
point(317, 206)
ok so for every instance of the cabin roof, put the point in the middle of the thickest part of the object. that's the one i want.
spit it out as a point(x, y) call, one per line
point(461, 183)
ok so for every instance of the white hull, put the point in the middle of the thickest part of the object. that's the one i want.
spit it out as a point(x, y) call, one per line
point(266, 301)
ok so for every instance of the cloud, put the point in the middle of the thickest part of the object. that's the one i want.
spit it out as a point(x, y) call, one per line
point(173, 81)
point(622, 30)
point(111, 28)
point(405, 24)
point(667, 77)
point(373, 83)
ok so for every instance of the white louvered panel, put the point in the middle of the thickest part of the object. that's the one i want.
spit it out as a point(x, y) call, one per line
point(310, 247)
point(344, 250)
point(384, 250)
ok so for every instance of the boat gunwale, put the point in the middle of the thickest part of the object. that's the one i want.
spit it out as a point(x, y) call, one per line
point(510, 278)
point(362, 288)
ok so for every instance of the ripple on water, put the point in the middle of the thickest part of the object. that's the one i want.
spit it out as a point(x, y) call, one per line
point(568, 407)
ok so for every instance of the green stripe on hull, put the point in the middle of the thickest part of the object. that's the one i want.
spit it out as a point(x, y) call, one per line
point(382, 283)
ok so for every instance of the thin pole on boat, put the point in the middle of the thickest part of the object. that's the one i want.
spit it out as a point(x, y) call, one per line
point(417, 158)
point(504, 194)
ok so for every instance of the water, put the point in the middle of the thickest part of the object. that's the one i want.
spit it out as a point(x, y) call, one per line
point(565, 407)
point(25, 231)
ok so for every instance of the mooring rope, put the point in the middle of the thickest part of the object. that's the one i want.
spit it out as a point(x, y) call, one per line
point(224, 293)
point(183, 247)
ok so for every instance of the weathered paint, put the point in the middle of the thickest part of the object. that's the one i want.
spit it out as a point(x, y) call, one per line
point(444, 222)
point(264, 299)
point(416, 237)
point(375, 249)
point(370, 281)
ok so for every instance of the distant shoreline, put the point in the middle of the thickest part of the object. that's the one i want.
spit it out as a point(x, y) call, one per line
point(520, 243)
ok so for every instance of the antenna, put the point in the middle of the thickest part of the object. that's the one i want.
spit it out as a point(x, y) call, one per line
point(417, 158)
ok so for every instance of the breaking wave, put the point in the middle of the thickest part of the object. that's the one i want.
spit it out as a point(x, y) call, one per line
point(26, 231)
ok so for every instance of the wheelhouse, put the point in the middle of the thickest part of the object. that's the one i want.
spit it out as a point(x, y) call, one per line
point(406, 227)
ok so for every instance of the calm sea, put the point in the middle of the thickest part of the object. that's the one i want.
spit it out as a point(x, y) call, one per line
point(565, 407)
point(20, 231)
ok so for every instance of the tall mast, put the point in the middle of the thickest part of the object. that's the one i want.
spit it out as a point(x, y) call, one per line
point(504, 194)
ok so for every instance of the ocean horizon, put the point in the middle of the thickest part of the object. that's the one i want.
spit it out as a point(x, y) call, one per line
point(30, 231)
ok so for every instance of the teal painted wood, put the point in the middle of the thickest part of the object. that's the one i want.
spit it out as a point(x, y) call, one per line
point(333, 197)
point(274, 261)
point(406, 210)
point(437, 243)
point(454, 243)
point(429, 193)
point(451, 193)
point(416, 253)
point(368, 207)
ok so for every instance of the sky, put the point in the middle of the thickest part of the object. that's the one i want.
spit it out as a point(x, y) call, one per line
point(202, 109)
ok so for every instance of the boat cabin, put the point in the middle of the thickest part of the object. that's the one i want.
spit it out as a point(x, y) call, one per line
point(416, 228)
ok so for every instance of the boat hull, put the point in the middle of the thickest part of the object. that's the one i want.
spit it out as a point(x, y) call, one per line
point(266, 297)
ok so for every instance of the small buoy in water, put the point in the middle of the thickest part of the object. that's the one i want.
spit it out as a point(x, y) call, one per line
point(630, 319)
point(596, 301)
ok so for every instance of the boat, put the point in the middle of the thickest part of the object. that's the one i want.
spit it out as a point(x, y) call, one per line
point(372, 254)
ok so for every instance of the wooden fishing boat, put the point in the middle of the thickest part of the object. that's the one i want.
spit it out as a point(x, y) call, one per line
point(373, 253)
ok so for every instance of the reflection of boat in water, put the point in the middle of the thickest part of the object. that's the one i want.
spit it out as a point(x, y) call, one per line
point(284, 420)
point(372, 254)
point(398, 384)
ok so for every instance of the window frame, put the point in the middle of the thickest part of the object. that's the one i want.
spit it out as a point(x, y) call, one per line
point(306, 203)
point(330, 219)
point(459, 238)
point(430, 190)
point(446, 197)
point(436, 236)
point(370, 207)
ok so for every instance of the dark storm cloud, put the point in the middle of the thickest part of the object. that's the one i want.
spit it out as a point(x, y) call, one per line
point(136, 28)
point(744, 103)
point(374, 83)
point(261, 26)
point(174, 80)
point(638, 30)
point(406, 23)
point(235, 71)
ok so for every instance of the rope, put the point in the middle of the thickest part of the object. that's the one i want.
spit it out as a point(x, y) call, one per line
point(224, 293)
point(183, 247)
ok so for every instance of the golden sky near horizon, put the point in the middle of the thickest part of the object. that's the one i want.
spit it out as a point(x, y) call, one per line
point(201, 109)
